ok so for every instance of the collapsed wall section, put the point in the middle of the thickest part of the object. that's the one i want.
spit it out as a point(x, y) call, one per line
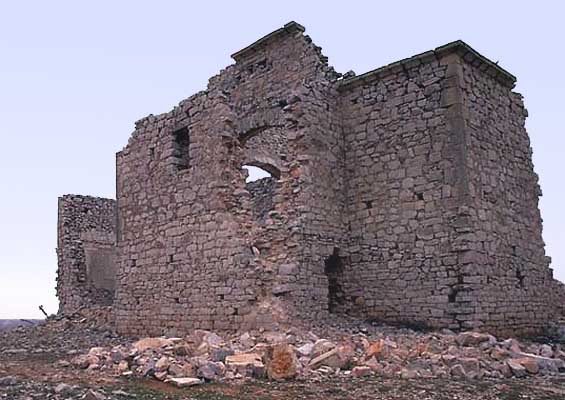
point(184, 260)
point(192, 251)
point(85, 252)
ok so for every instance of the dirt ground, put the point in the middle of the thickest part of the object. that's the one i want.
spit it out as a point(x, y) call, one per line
point(36, 377)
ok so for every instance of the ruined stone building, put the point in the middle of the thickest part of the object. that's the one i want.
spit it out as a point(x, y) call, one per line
point(405, 194)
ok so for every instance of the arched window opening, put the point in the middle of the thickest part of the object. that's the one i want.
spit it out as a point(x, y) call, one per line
point(261, 183)
point(255, 173)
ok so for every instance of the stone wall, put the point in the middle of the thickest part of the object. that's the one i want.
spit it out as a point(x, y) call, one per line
point(558, 299)
point(191, 252)
point(262, 192)
point(406, 194)
point(402, 199)
point(85, 251)
point(443, 200)
point(508, 277)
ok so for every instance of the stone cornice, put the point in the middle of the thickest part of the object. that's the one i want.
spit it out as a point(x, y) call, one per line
point(459, 47)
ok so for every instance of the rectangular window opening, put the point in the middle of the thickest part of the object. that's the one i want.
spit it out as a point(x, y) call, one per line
point(181, 146)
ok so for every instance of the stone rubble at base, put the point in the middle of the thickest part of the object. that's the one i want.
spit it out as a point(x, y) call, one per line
point(204, 356)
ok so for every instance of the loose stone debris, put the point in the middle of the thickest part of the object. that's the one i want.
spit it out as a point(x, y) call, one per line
point(203, 356)
point(341, 350)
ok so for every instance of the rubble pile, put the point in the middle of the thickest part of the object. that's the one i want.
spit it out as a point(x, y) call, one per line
point(205, 356)
point(61, 334)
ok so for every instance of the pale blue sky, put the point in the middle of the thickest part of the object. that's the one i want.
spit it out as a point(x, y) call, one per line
point(75, 75)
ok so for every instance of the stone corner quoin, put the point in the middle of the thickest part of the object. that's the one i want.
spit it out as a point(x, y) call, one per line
point(405, 195)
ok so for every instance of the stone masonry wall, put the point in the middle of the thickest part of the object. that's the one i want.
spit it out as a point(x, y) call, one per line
point(406, 194)
point(509, 277)
point(400, 166)
point(191, 252)
point(444, 218)
point(262, 192)
point(85, 252)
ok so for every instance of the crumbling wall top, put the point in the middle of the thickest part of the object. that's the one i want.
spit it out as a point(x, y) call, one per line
point(289, 28)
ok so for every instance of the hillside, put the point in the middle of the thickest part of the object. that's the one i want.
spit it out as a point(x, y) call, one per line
point(12, 323)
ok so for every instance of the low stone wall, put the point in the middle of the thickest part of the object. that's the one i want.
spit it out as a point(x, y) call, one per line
point(85, 251)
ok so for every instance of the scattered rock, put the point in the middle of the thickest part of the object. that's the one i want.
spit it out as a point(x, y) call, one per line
point(93, 395)
point(281, 362)
point(306, 349)
point(64, 389)
point(184, 382)
point(375, 349)
point(339, 357)
point(546, 351)
point(210, 370)
point(466, 368)
point(359, 372)
point(246, 364)
point(220, 354)
point(182, 370)
point(473, 338)
point(162, 364)
point(321, 346)
point(517, 369)
point(8, 381)
point(151, 344)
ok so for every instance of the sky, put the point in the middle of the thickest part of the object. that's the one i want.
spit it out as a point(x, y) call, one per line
point(76, 75)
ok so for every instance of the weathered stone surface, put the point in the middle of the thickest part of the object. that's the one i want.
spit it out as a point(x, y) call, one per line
point(320, 347)
point(466, 367)
point(375, 349)
point(151, 343)
point(518, 370)
point(306, 349)
point(63, 389)
point(281, 362)
point(210, 370)
point(244, 359)
point(246, 364)
point(339, 357)
point(473, 338)
point(407, 194)
point(530, 364)
point(93, 395)
point(361, 371)
point(184, 382)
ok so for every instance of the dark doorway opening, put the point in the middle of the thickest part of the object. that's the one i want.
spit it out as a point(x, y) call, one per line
point(181, 146)
point(334, 272)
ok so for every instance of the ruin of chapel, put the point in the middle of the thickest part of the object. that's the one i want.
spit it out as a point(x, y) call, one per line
point(406, 194)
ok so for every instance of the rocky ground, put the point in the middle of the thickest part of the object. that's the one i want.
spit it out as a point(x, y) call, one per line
point(74, 358)
point(6, 324)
